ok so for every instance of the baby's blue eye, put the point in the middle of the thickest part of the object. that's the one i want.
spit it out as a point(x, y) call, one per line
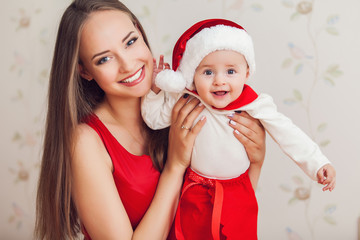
point(207, 72)
point(103, 60)
point(231, 71)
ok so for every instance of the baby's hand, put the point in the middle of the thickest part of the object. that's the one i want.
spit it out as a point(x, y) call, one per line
point(156, 70)
point(327, 176)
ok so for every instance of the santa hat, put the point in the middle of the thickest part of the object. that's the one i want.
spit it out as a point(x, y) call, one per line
point(196, 43)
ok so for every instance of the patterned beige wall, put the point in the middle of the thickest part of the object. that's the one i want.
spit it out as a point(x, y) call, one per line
point(307, 55)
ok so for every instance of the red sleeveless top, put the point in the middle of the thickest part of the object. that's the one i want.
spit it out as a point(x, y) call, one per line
point(135, 176)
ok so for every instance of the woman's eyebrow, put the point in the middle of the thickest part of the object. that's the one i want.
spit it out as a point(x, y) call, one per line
point(98, 54)
point(124, 39)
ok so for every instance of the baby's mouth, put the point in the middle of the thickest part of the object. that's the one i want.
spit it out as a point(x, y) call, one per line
point(220, 93)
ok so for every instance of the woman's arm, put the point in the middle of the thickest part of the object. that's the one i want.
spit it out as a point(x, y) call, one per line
point(160, 215)
point(251, 134)
point(93, 188)
point(95, 195)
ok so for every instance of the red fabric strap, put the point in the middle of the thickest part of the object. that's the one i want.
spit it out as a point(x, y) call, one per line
point(216, 214)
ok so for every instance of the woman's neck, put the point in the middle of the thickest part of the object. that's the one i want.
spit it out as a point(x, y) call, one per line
point(123, 119)
point(122, 111)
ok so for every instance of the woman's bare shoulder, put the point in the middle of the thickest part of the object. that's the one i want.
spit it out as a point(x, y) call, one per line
point(88, 146)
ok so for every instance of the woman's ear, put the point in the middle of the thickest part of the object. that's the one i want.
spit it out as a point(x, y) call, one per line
point(84, 73)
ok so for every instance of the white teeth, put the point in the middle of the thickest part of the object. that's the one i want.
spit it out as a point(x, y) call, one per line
point(133, 78)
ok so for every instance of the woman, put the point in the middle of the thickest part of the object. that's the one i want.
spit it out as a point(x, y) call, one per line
point(103, 170)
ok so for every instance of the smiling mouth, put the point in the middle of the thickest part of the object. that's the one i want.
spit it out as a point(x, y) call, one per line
point(220, 93)
point(133, 77)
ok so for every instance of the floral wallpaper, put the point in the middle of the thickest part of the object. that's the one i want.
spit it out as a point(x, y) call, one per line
point(307, 56)
point(297, 61)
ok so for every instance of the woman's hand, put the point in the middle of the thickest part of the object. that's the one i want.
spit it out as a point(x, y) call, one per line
point(156, 70)
point(182, 135)
point(251, 134)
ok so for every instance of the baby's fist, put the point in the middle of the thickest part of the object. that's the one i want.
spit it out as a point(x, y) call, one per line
point(327, 176)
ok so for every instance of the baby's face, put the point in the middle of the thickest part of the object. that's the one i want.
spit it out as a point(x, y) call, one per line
point(220, 77)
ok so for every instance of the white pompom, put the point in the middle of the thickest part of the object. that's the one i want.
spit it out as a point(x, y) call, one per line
point(170, 81)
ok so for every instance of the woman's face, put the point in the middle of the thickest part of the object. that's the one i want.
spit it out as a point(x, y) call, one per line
point(114, 54)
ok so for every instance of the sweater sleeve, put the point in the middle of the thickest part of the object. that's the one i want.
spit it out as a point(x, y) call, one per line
point(156, 109)
point(291, 139)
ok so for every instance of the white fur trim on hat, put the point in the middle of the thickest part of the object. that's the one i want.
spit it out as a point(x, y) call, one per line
point(170, 81)
point(219, 37)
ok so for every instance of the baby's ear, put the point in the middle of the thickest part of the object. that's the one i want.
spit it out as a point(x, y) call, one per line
point(247, 72)
point(84, 73)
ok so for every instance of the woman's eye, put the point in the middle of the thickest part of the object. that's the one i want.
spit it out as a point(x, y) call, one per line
point(231, 71)
point(132, 41)
point(207, 72)
point(103, 60)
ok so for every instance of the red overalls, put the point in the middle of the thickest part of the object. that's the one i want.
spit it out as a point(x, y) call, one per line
point(216, 209)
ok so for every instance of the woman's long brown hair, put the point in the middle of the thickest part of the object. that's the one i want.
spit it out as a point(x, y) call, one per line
point(70, 99)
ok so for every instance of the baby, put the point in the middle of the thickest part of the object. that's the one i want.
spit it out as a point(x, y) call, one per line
point(212, 61)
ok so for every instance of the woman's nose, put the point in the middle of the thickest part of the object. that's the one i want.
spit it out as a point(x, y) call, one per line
point(125, 63)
